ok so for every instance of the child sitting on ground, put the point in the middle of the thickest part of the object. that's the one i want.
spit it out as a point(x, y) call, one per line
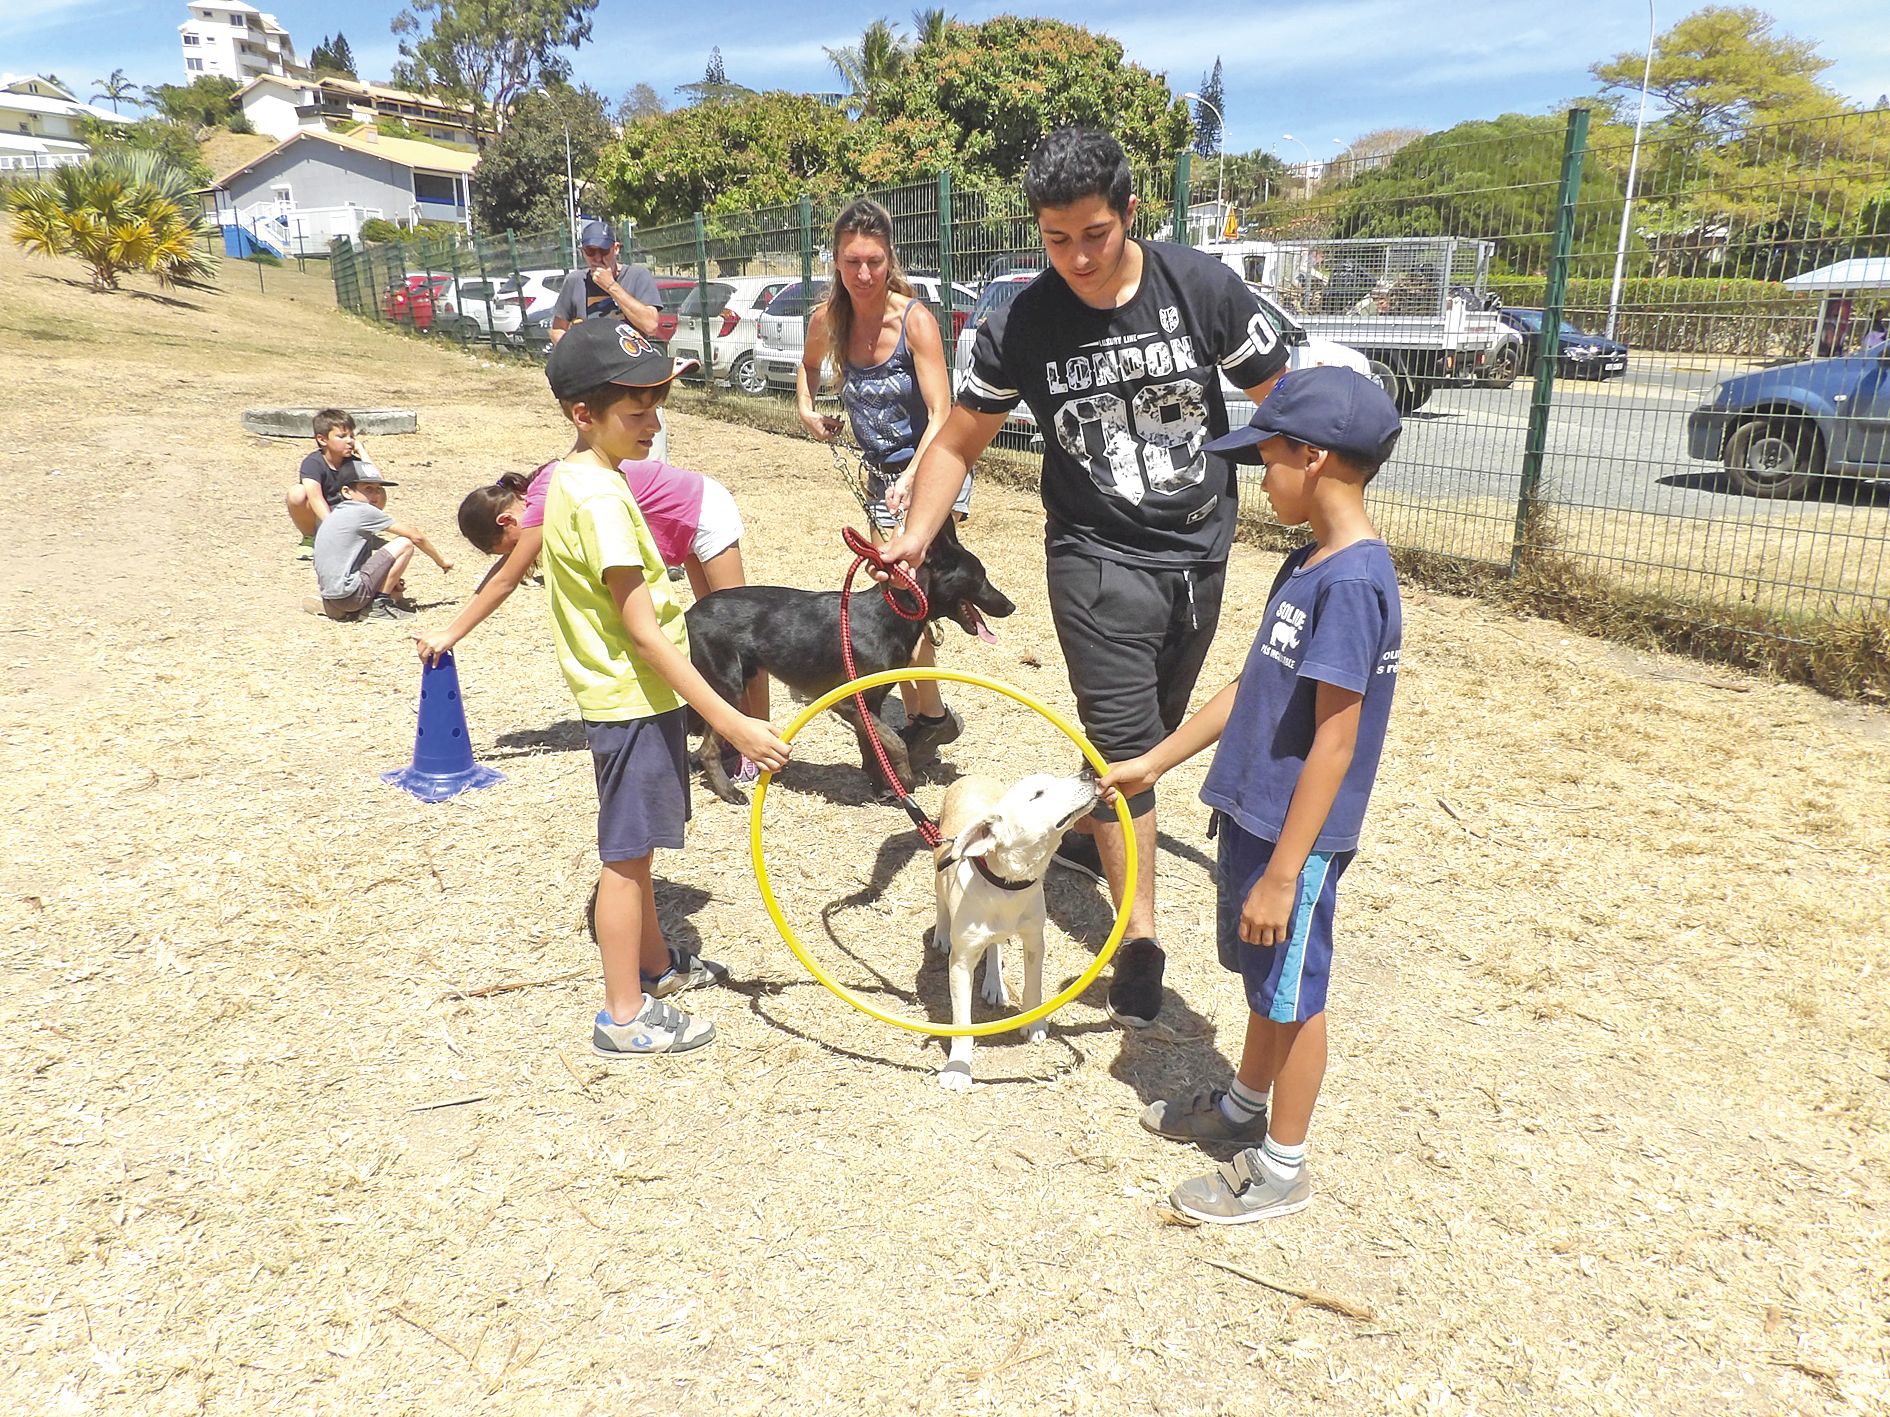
point(318, 481)
point(624, 650)
point(357, 574)
point(1300, 733)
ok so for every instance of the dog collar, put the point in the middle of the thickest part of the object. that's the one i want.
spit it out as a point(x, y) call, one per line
point(977, 863)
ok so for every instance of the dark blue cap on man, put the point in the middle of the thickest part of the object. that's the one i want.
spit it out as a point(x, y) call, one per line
point(597, 235)
point(1326, 406)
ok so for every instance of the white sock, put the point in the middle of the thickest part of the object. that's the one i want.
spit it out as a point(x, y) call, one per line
point(1282, 1163)
point(1240, 1104)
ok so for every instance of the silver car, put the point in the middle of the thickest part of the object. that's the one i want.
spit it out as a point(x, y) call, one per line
point(779, 340)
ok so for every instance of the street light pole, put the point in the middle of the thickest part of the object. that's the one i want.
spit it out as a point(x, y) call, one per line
point(1288, 137)
point(1220, 154)
point(570, 186)
point(1633, 170)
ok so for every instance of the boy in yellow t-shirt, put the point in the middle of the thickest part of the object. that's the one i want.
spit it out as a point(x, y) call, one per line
point(624, 650)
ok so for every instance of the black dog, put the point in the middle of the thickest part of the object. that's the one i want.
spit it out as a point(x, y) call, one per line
point(795, 636)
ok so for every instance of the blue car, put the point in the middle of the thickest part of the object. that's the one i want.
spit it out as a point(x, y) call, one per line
point(1583, 356)
point(1778, 430)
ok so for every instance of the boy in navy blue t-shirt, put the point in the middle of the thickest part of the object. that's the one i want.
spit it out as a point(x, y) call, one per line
point(1300, 735)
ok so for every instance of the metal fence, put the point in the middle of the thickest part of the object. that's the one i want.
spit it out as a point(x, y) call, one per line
point(1721, 464)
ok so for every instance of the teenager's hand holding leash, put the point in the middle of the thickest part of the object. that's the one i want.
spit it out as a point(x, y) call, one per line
point(821, 427)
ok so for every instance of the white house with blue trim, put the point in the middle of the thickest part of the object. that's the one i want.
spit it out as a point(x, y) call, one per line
point(316, 185)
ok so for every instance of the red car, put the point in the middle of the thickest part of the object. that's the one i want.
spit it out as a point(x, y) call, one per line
point(412, 301)
point(675, 290)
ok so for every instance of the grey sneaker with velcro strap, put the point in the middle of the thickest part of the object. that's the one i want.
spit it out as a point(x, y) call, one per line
point(1241, 1190)
point(1200, 1119)
point(657, 1029)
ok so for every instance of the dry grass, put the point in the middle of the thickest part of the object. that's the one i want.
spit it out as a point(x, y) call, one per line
point(1605, 1130)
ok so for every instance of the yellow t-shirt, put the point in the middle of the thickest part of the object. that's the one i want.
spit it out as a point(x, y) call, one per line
point(592, 525)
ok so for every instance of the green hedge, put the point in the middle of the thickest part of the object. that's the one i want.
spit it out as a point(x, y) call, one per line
point(1759, 319)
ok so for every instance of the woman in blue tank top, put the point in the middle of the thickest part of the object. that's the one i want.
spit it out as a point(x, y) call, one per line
point(886, 349)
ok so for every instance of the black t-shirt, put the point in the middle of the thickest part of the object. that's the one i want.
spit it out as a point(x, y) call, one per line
point(1125, 399)
point(315, 468)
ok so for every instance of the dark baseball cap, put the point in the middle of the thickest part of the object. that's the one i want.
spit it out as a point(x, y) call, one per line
point(598, 352)
point(597, 235)
point(1326, 406)
point(363, 474)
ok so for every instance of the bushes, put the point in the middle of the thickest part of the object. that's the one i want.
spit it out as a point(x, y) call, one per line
point(379, 230)
point(1756, 318)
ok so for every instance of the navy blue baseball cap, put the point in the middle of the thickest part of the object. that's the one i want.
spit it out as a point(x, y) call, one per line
point(597, 235)
point(1326, 406)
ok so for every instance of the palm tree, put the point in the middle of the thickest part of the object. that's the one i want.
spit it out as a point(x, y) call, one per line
point(116, 212)
point(929, 26)
point(867, 67)
point(115, 90)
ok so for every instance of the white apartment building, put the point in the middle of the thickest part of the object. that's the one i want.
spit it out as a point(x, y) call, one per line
point(40, 124)
point(237, 41)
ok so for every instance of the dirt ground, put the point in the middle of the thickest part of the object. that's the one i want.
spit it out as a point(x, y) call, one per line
point(1605, 1129)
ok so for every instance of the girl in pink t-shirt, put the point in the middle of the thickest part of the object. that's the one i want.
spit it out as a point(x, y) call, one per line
point(692, 519)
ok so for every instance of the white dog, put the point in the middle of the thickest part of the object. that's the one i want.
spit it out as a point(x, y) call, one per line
point(991, 864)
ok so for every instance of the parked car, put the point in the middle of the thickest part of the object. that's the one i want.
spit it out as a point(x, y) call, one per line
point(778, 341)
point(486, 307)
point(675, 290)
point(540, 289)
point(1581, 355)
point(1778, 430)
point(416, 300)
point(736, 303)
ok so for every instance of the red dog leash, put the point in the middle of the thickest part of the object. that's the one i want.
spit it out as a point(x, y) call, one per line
point(863, 552)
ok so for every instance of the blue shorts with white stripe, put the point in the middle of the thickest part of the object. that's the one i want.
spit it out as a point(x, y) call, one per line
point(1285, 983)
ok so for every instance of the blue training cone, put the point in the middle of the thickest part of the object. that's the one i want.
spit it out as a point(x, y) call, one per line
point(442, 765)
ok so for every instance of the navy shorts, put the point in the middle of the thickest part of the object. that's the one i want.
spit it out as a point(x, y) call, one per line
point(1285, 983)
point(642, 785)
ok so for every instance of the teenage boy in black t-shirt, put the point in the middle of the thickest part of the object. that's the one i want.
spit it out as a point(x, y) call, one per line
point(1118, 349)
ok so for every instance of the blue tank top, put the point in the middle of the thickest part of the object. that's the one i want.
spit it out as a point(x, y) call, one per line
point(884, 404)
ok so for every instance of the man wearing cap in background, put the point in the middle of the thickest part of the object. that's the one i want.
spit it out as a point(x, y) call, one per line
point(357, 573)
point(608, 289)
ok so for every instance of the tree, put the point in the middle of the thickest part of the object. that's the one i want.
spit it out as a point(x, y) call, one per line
point(1253, 177)
point(205, 102)
point(641, 101)
point(868, 67)
point(987, 93)
point(1207, 116)
point(172, 143)
point(116, 90)
point(1494, 179)
point(117, 212)
point(929, 27)
point(714, 86)
point(519, 183)
point(333, 56)
point(1721, 69)
point(762, 150)
point(487, 53)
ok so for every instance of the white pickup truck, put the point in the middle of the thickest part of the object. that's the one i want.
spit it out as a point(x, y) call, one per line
point(1412, 304)
point(1302, 351)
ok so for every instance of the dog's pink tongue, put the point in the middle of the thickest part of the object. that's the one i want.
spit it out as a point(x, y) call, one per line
point(984, 632)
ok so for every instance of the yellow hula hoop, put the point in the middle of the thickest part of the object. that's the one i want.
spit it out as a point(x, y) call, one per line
point(943, 1030)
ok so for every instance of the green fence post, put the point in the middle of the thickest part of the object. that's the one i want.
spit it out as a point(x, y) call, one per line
point(1178, 229)
point(1548, 349)
point(945, 272)
point(807, 265)
point(702, 305)
point(459, 316)
point(492, 301)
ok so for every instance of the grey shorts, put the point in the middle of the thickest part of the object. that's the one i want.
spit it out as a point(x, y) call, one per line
point(1134, 640)
point(642, 785)
point(878, 479)
point(372, 576)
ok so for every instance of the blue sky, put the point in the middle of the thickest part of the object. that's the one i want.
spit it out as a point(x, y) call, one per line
point(1319, 69)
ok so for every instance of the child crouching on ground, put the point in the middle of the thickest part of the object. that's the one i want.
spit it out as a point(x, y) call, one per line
point(624, 650)
point(1300, 734)
point(358, 574)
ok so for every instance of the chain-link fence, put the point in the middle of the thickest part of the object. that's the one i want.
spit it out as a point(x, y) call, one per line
point(1705, 423)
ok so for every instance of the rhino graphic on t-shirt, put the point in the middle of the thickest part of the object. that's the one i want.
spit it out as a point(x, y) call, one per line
point(1284, 636)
